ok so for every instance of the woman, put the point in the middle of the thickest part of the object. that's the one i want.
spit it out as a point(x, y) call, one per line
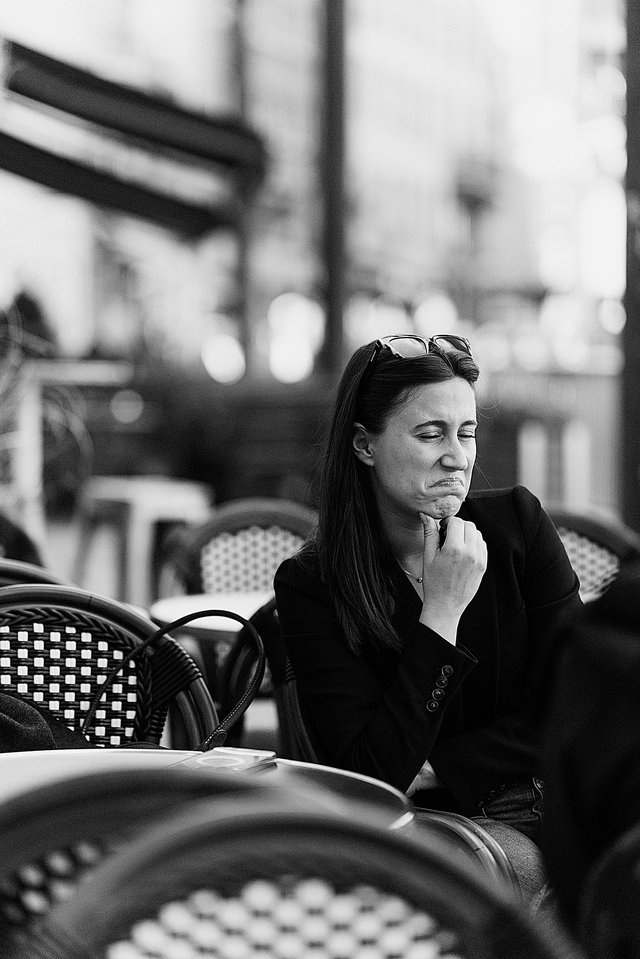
point(413, 618)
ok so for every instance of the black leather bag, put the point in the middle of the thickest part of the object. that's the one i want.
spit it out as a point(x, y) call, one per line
point(23, 727)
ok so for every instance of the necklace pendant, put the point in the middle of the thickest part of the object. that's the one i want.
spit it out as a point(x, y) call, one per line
point(418, 579)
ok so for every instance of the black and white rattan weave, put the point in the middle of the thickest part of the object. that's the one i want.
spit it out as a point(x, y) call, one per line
point(241, 546)
point(65, 650)
point(597, 547)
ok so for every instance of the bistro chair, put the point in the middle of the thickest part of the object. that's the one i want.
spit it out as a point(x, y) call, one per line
point(99, 667)
point(53, 836)
point(239, 548)
point(609, 926)
point(597, 547)
point(294, 739)
point(260, 876)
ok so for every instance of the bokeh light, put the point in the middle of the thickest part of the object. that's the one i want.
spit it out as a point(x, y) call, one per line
point(223, 358)
point(296, 328)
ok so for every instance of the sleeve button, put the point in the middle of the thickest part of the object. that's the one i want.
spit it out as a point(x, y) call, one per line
point(447, 670)
point(432, 705)
point(442, 681)
point(437, 694)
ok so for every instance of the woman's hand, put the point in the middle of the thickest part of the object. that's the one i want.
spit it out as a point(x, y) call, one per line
point(426, 779)
point(451, 573)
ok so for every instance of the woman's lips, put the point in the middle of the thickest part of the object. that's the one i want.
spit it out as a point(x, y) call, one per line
point(447, 496)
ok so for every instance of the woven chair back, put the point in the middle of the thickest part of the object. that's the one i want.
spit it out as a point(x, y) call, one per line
point(597, 548)
point(83, 659)
point(241, 546)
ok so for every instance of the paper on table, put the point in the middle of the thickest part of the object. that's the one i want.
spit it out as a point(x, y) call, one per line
point(234, 758)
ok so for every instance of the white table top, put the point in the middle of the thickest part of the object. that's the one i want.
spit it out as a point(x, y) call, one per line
point(170, 608)
point(23, 771)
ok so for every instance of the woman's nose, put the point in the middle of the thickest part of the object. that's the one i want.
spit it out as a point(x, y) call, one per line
point(455, 456)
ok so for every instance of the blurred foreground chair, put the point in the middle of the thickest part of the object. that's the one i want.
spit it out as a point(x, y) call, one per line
point(53, 836)
point(610, 906)
point(93, 664)
point(256, 875)
point(137, 506)
point(239, 547)
point(596, 546)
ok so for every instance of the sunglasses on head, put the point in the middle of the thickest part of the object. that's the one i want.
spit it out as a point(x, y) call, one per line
point(408, 345)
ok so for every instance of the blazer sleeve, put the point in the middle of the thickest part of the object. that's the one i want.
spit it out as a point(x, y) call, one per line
point(373, 720)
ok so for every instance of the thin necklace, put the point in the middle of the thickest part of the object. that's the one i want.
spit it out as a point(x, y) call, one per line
point(418, 579)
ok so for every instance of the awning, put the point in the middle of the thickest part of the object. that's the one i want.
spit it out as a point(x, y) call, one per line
point(104, 190)
point(155, 124)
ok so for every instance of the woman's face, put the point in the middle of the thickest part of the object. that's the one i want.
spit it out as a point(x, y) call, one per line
point(423, 459)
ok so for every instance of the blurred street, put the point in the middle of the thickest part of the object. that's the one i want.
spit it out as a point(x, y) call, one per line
point(322, 174)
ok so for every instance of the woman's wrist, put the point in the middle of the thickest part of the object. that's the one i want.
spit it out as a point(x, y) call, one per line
point(442, 624)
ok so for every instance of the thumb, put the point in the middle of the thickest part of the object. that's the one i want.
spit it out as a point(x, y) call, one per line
point(431, 538)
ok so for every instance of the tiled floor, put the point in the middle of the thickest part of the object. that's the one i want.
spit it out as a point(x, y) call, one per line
point(101, 577)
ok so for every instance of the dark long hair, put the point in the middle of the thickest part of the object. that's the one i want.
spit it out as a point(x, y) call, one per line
point(355, 561)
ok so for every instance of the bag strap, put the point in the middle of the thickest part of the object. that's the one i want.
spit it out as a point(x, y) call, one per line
point(218, 736)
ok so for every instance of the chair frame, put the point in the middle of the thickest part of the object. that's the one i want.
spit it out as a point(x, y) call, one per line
point(238, 667)
point(232, 517)
point(606, 532)
point(167, 676)
point(278, 843)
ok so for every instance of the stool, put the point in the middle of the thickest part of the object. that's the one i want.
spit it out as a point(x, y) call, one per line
point(136, 505)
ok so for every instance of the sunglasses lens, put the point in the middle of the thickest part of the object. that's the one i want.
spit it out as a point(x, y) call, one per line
point(406, 346)
point(450, 344)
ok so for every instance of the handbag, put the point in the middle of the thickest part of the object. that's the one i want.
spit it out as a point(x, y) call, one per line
point(23, 727)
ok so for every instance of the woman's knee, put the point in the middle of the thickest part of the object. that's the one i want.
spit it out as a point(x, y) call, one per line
point(523, 854)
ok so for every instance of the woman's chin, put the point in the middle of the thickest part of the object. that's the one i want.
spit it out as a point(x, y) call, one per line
point(444, 506)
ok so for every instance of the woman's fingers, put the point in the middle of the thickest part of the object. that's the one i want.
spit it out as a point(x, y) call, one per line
point(464, 535)
point(453, 575)
point(431, 538)
point(463, 557)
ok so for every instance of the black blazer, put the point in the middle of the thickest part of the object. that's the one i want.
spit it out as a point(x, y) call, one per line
point(463, 707)
point(591, 738)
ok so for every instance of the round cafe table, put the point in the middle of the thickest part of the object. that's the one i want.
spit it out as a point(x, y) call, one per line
point(165, 611)
point(213, 636)
point(22, 771)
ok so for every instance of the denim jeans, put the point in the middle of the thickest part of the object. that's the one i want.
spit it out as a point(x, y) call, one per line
point(519, 804)
point(512, 814)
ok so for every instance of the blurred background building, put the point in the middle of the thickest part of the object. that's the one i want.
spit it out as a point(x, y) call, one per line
point(429, 165)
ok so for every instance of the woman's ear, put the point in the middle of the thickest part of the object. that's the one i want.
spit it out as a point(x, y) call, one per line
point(361, 446)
